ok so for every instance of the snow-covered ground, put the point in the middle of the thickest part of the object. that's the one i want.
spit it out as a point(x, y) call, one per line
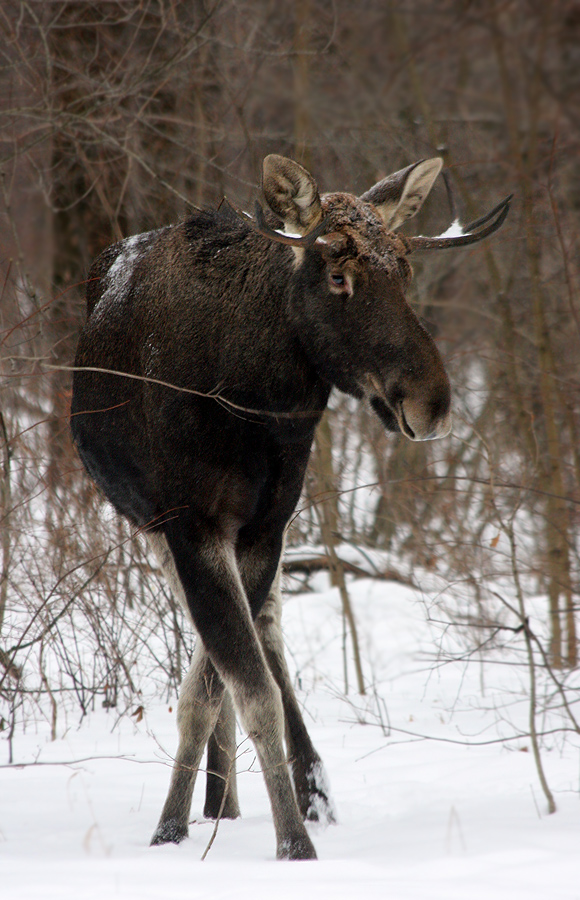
point(431, 804)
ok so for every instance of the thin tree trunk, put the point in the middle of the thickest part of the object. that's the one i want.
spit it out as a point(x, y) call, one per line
point(302, 124)
point(5, 508)
point(328, 516)
point(557, 514)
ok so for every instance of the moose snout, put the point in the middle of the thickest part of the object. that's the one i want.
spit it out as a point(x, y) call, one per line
point(421, 413)
point(417, 421)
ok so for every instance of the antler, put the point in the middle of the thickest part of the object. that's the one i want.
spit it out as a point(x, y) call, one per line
point(260, 225)
point(470, 235)
point(281, 237)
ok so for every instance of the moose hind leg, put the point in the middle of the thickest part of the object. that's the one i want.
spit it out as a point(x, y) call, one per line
point(200, 698)
point(207, 569)
point(221, 746)
point(221, 766)
point(308, 773)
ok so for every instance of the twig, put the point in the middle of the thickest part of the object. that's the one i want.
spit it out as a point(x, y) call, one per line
point(221, 809)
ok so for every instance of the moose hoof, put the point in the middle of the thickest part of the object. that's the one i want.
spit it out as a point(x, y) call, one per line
point(297, 848)
point(169, 832)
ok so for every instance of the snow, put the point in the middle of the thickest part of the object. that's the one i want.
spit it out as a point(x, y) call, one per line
point(454, 230)
point(432, 775)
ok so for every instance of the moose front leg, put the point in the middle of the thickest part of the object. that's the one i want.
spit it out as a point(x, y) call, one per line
point(258, 562)
point(308, 774)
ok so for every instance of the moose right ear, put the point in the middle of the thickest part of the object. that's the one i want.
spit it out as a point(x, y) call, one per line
point(291, 193)
point(402, 194)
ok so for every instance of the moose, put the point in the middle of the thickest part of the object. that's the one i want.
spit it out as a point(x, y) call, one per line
point(206, 362)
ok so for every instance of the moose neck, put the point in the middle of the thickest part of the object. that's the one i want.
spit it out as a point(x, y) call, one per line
point(242, 311)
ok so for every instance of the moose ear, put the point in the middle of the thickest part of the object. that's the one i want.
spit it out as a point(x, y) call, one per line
point(400, 195)
point(291, 193)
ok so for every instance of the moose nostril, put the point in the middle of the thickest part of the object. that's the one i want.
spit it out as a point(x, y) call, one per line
point(418, 425)
point(404, 423)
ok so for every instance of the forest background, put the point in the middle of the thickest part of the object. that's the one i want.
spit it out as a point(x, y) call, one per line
point(118, 116)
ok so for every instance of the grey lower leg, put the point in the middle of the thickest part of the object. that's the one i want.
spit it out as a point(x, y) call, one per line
point(309, 777)
point(262, 716)
point(221, 766)
point(199, 704)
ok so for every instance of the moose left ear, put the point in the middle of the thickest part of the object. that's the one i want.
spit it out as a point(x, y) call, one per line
point(402, 194)
point(291, 193)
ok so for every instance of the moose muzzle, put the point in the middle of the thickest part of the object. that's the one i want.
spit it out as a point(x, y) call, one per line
point(421, 414)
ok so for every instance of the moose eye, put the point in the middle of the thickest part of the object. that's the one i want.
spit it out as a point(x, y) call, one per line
point(340, 283)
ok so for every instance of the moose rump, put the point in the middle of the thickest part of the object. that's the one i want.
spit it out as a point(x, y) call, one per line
point(204, 367)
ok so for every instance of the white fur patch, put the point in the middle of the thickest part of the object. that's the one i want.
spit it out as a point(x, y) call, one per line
point(118, 277)
point(298, 256)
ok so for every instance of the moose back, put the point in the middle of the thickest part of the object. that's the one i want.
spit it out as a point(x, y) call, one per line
point(205, 364)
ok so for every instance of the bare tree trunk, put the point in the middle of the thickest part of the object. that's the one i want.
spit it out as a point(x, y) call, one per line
point(557, 515)
point(5, 510)
point(328, 516)
point(302, 122)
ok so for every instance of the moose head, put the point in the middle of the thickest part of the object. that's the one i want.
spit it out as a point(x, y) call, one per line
point(347, 295)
